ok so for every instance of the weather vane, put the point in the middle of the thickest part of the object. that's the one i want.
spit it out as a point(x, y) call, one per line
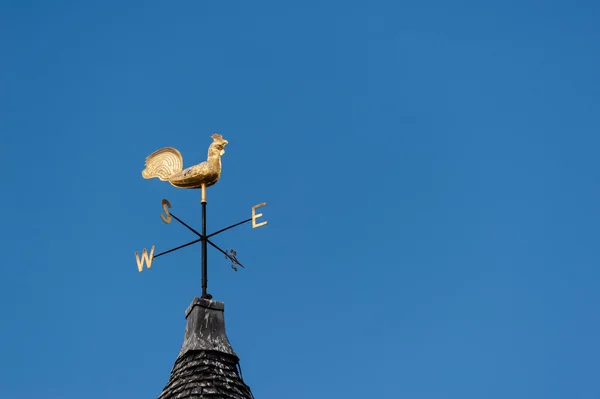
point(167, 165)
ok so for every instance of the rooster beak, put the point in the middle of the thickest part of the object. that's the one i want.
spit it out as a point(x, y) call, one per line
point(225, 142)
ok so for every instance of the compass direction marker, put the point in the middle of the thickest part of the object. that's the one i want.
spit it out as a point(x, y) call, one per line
point(145, 258)
point(256, 216)
point(166, 205)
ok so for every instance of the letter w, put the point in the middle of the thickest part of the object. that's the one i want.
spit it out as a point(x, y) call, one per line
point(145, 258)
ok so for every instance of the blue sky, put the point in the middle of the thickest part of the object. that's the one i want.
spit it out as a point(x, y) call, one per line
point(431, 173)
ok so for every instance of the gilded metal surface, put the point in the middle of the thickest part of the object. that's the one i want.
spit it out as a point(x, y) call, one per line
point(145, 258)
point(256, 216)
point(167, 165)
point(203, 193)
point(166, 204)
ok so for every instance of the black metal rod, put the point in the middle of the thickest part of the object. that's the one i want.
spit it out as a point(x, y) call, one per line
point(204, 239)
point(227, 228)
point(224, 253)
point(183, 223)
point(179, 247)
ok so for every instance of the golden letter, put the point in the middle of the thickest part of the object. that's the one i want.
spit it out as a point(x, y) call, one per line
point(256, 216)
point(165, 204)
point(145, 258)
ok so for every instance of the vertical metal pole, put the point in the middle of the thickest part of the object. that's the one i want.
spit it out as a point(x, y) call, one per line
point(204, 248)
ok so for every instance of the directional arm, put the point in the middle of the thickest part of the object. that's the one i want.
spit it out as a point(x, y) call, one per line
point(183, 223)
point(227, 228)
point(179, 247)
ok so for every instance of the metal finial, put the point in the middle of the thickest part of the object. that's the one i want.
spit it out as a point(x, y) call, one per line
point(167, 165)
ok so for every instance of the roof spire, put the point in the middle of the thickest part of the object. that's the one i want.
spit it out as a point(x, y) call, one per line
point(207, 365)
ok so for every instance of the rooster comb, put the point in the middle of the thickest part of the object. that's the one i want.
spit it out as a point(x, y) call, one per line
point(217, 137)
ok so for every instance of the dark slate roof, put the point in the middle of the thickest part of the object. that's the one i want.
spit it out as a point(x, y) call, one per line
point(207, 366)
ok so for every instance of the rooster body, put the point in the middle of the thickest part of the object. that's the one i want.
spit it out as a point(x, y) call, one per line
point(167, 165)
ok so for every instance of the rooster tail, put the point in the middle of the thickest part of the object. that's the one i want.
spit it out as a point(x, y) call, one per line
point(163, 164)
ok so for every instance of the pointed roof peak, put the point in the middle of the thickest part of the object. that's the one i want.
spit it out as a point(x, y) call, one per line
point(205, 329)
point(207, 365)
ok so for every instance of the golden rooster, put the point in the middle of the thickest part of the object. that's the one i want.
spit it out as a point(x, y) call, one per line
point(167, 165)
